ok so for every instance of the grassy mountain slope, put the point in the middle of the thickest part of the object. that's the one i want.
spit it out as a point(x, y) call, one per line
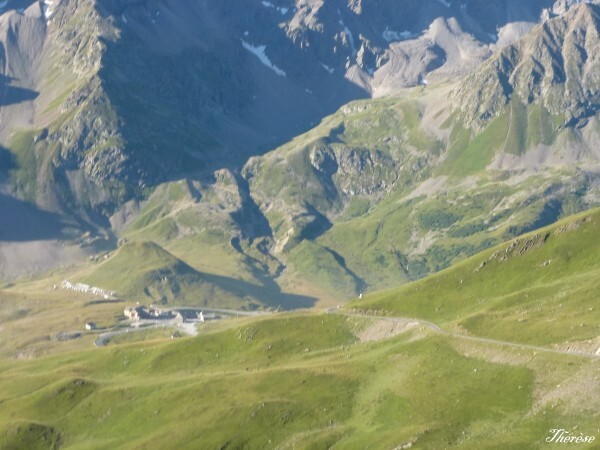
point(271, 407)
point(540, 288)
point(297, 381)
point(313, 380)
point(145, 267)
point(373, 185)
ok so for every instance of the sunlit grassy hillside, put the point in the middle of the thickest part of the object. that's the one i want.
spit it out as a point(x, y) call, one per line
point(299, 381)
point(312, 380)
point(541, 288)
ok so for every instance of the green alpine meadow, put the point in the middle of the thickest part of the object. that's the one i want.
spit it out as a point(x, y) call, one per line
point(299, 224)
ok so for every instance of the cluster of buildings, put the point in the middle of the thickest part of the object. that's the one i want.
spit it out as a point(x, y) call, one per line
point(153, 314)
point(141, 312)
point(180, 316)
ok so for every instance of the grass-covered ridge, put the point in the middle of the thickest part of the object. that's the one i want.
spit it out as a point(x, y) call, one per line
point(144, 271)
point(380, 193)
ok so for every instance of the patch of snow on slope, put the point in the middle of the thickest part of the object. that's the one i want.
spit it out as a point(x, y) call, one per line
point(446, 3)
point(48, 9)
point(327, 68)
point(392, 36)
point(259, 52)
point(350, 39)
point(281, 9)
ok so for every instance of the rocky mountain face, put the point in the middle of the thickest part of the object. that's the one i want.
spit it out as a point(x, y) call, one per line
point(140, 120)
point(129, 93)
point(557, 67)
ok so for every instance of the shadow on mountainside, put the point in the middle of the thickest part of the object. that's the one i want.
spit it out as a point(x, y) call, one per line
point(7, 163)
point(10, 95)
point(21, 221)
point(193, 101)
point(271, 295)
point(375, 19)
point(17, 4)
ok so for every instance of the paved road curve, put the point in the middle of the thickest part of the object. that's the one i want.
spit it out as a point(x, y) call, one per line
point(187, 327)
point(231, 312)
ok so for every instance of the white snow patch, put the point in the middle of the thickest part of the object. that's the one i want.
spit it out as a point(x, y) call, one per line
point(123, 18)
point(327, 68)
point(47, 8)
point(259, 52)
point(446, 3)
point(281, 9)
point(392, 36)
point(350, 38)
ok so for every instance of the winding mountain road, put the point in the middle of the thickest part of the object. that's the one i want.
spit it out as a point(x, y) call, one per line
point(105, 337)
point(435, 328)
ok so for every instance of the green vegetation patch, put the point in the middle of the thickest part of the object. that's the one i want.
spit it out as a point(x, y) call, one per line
point(30, 436)
point(436, 219)
point(469, 155)
point(324, 268)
